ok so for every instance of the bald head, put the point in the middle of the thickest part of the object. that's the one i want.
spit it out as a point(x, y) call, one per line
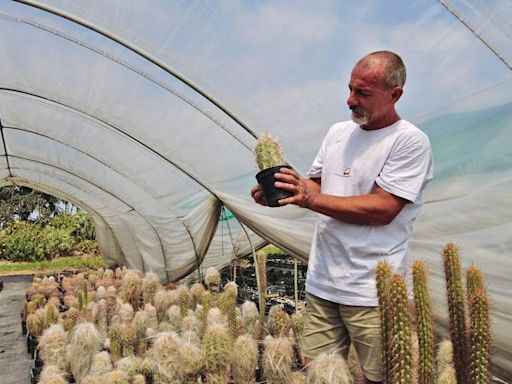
point(390, 66)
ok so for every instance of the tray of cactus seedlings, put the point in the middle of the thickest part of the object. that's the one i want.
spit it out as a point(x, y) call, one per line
point(269, 157)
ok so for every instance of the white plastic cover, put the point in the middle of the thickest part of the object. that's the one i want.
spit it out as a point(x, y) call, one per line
point(145, 114)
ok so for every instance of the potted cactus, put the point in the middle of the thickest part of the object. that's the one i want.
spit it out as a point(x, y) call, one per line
point(269, 157)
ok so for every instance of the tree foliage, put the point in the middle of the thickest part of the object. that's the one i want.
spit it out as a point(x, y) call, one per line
point(36, 226)
point(26, 204)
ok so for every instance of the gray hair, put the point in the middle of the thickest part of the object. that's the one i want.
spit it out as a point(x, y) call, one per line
point(394, 72)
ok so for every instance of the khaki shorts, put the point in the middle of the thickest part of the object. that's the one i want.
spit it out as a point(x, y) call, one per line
point(330, 326)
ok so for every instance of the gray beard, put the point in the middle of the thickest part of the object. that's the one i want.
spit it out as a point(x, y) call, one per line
point(359, 120)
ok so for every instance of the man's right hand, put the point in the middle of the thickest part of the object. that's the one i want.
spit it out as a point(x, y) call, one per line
point(258, 196)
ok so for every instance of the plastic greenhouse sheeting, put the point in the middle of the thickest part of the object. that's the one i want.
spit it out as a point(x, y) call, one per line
point(145, 114)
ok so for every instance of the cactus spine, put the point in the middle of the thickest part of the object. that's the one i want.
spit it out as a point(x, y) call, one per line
point(383, 276)
point(456, 310)
point(268, 152)
point(423, 323)
point(400, 342)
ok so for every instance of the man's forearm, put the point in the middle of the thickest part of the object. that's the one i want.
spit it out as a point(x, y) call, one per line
point(374, 208)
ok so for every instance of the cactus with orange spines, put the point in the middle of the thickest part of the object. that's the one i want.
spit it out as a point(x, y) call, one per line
point(474, 281)
point(424, 329)
point(456, 310)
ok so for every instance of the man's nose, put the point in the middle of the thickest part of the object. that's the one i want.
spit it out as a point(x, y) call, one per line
point(351, 100)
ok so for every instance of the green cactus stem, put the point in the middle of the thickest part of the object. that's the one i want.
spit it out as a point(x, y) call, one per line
point(400, 342)
point(480, 336)
point(268, 152)
point(244, 360)
point(261, 261)
point(456, 310)
point(474, 281)
point(115, 335)
point(278, 322)
point(426, 369)
point(383, 277)
point(217, 352)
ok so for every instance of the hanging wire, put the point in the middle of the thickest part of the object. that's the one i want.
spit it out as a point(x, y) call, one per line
point(444, 3)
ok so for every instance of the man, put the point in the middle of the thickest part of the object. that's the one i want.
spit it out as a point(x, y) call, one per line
point(367, 185)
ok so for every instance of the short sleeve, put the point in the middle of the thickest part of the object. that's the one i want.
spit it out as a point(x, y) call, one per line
point(316, 168)
point(408, 168)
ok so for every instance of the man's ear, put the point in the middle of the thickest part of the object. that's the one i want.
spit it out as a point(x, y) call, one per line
point(396, 93)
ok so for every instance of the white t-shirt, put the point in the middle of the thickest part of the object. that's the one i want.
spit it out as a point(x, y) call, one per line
point(351, 160)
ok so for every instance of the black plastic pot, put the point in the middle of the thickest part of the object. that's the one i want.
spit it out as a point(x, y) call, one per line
point(34, 375)
point(272, 194)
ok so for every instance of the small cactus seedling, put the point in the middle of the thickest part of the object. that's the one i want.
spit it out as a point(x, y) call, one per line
point(84, 342)
point(150, 285)
point(212, 279)
point(217, 353)
point(115, 335)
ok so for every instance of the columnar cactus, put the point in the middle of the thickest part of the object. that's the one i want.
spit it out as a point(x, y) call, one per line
point(261, 260)
point(444, 356)
point(297, 321)
point(212, 279)
point(150, 284)
point(474, 281)
point(448, 376)
point(184, 300)
point(400, 342)
point(140, 324)
point(329, 368)
point(85, 342)
point(100, 364)
point(426, 369)
point(227, 304)
point(132, 288)
point(278, 322)
point(268, 152)
point(126, 313)
point(115, 335)
point(480, 335)
point(250, 316)
point(278, 360)
point(383, 277)
point(129, 338)
point(456, 310)
point(52, 346)
point(244, 360)
point(217, 352)
point(196, 294)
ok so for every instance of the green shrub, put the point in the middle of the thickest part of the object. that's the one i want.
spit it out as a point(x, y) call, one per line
point(59, 236)
point(22, 241)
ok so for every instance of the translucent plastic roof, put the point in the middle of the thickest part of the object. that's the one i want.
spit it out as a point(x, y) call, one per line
point(145, 114)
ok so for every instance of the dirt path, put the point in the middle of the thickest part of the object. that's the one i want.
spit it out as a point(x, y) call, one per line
point(14, 359)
